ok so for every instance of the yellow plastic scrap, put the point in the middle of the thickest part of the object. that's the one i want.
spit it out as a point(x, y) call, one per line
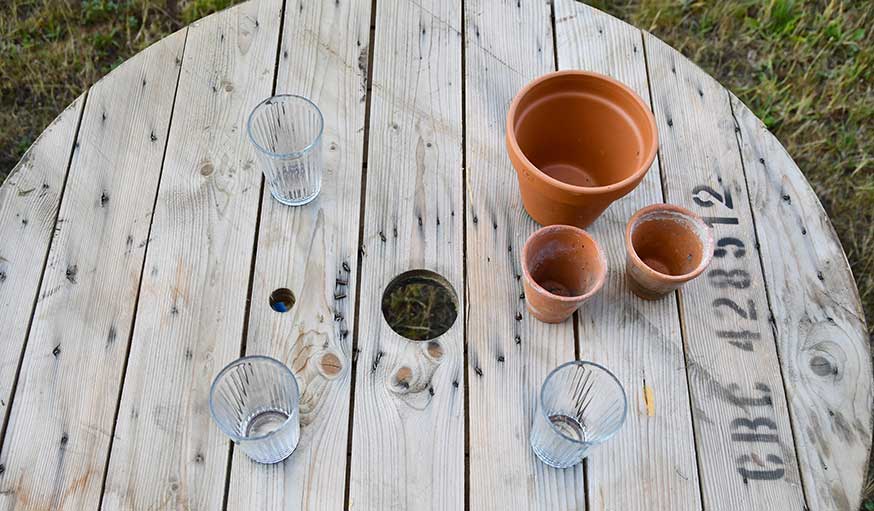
point(649, 399)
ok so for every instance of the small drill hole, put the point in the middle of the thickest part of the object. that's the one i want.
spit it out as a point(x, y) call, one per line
point(282, 300)
point(420, 305)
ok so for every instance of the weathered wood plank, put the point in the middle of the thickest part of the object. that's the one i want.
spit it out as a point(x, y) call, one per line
point(312, 251)
point(821, 334)
point(638, 340)
point(509, 352)
point(189, 323)
point(29, 201)
point(745, 442)
point(408, 436)
point(56, 445)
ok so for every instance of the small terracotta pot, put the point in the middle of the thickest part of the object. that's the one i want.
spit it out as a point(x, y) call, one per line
point(578, 141)
point(666, 246)
point(563, 267)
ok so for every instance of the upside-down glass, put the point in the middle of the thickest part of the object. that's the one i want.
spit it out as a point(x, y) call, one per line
point(581, 405)
point(254, 400)
point(286, 131)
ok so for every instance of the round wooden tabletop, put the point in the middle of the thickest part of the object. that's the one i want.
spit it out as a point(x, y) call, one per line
point(139, 249)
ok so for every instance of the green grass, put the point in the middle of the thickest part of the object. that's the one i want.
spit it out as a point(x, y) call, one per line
point(52, 50)
point(805, 67)
point(419, 307)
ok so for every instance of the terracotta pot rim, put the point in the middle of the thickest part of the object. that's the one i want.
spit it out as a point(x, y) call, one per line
point(631, 180)
point(707, 248)
point(601, 275)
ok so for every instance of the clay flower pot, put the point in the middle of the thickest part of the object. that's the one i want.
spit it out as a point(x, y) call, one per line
point(563, 267)
point(578, 141)
point(666, 246)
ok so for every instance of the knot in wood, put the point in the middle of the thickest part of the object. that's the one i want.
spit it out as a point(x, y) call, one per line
point(435, 350)
point(206, 168)
point(403, 379)
point(330, 365)
point(821, 366)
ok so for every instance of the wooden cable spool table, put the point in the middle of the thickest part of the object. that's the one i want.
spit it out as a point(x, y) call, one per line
point(139, 249)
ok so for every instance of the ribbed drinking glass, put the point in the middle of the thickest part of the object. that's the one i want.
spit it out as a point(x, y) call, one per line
point(581, 405)
point(286, 131)
point(254, 400)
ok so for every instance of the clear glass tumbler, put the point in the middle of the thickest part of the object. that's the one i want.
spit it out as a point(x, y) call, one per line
point(581, 405)
point(254, 400)
point(287, 130)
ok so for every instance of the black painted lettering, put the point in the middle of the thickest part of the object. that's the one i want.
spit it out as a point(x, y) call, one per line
point(744, 345)
point(713, 220)
point(748, 313)
point(720, 250)
point(738, 334)
point(754, 437)
point(754, 425)
point(700, 193)
point(743, 401)
point(738, 279)
point(761, 475)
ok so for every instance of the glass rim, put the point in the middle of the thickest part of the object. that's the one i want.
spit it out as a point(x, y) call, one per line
point(293, 154)
point(239, 361)
point(582, 363)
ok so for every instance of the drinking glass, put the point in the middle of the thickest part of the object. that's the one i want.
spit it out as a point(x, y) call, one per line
point(581, 405)
point(287, 130)
point(254, 401)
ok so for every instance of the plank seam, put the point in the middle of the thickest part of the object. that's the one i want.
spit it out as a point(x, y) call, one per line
point(347, 487)
point(554, 35)
point(248, 304)
point(140, 284)
point(12, 391)
point(677, 293)
point(771, 319)
point(576, 315)
point(576, 320)
point(465, 361)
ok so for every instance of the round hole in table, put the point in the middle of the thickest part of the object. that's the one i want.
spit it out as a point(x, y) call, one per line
point(420, 305)
point(282, 300)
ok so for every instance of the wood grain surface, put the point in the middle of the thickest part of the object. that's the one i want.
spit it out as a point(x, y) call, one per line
point(166, 452)
point(312, 251)
point(746, 450)
point(639, 340)
point(29, 202)
point(55, 449)
point(509, 351)
point(820, 327)
point(132, 270)
point(408, 422)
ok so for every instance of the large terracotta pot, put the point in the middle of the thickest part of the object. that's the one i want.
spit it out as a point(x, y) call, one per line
point(666, 246)
point(563, 267)
point(578, 141)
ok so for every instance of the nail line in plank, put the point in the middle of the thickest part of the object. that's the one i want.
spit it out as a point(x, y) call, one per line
point(140, 284)
point(347, 487)
point(73, 146)
point(248, 303)
point(678, 293)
